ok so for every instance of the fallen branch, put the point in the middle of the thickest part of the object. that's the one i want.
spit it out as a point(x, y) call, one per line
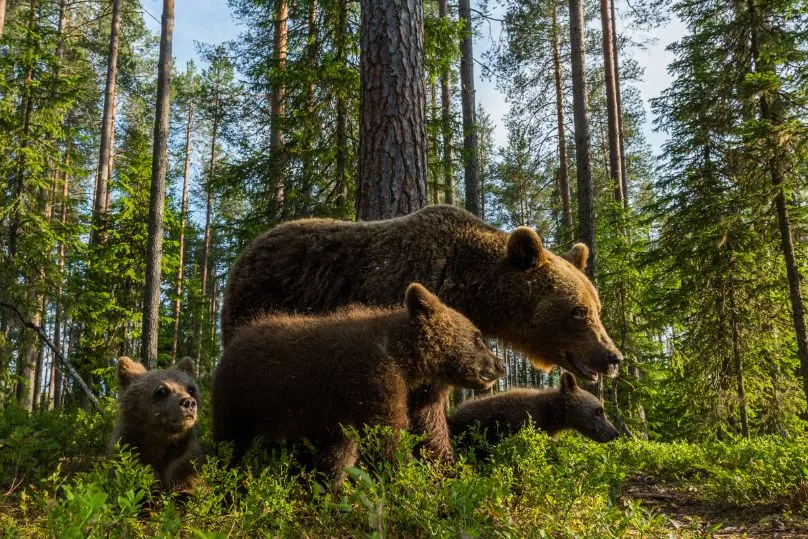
point(58, 353)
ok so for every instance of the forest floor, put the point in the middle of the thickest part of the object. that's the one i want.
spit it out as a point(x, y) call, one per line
point(684, 508)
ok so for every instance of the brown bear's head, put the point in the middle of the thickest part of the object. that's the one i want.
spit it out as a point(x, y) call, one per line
point(163, 402)
point(452, 348)
point(583, 411)
point(550, 310)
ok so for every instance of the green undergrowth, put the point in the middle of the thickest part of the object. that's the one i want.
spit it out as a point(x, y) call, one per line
point(58, 480)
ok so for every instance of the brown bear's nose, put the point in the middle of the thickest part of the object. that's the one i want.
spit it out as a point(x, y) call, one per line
point(614, 358)
point(188, 404)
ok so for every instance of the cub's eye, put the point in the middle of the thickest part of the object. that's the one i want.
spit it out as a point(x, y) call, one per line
point(579, 313)
point(192, 391)
point(478, 340)
point(161, 392)
point(599, 412)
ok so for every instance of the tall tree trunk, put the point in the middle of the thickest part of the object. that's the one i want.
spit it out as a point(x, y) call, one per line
point(311, 61)
point(467, 97)
point(203, 266)
point(54, 392)
point(623, 173)
point(342, 110)
point(736, 355)
point(563, 170)
point(446, 120)
point(183, 216)
point(151, 308)
point(783, 221)
point(433, 175)
point(107, 128)
point(277, 110)
point(586, 207)
point(613, 131)
point(2, 16)
point(392, 139)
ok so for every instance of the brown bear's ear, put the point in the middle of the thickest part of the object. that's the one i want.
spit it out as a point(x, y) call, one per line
point(185, 365)
point(578, 255)
point(420, 301)
point(128, 371)
point(568, 383)
point(524, 250)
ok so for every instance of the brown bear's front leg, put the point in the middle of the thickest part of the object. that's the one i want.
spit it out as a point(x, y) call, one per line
point(427, 411)
point(336, 453)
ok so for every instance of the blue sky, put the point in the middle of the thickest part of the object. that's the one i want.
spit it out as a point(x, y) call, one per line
point(210, 21)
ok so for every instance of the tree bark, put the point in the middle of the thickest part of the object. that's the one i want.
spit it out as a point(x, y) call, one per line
point(183, 216)
point(54, 392)
point(277, 108)
point(613, 127)
point(2, 16)
point(151, 309)
point(783, 221)
point(586, 208)
point(736, 355)
point(203, 266)
point(563, 170)
point(623, 173)
point(342, 111)
point(467, 97)
point(107, 129)
point(446, 120)
point(392, 139)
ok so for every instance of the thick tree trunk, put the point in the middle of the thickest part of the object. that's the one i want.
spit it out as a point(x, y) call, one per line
point(586, 207)
point(446, 120)
point(54, 392)
point(783, 221)
point(623, 173)
point(27, 363)
point(183, 216)
point(563, 170)
point(277, 109)
point(467, 97)
point(107, 129)
point(613, 131)
point(392, 139)
point(151, 309)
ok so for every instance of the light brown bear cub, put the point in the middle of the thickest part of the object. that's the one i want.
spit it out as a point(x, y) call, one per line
point(157, 415)
point(299, 377)
point(551, 410)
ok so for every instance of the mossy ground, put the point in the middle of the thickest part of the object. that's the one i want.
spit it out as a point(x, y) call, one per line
point(57, 479)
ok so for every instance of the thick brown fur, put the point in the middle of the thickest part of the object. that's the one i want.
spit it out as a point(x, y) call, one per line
point(157, 416)
point(508, 285)
point(298, 377)
point(550, 410)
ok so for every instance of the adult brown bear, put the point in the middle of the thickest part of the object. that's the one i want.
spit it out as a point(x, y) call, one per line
point(508, 285)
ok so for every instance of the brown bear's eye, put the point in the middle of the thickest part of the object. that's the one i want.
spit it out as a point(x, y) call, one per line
point(192, 391)
point(579, 313)
point(161, 392)
point(599, 412)
point(478, 340)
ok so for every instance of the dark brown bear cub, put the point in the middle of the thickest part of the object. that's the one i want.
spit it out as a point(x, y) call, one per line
point(157, 413)
point(299, 377)
point(552, 410)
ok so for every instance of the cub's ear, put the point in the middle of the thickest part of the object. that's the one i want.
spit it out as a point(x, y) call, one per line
point(185, 365)
point(578, 255)
point(420, 301)
point(128, 371)
point(568, 383)
point(524, 249)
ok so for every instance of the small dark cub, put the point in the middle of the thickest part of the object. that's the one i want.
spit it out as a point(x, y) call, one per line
point(552, 411)
point(294, 377)
point(157, 416)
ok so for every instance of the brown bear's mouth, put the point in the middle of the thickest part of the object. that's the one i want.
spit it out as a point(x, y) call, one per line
point(580, 369)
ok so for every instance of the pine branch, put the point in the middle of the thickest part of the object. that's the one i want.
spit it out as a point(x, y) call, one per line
point(62, 359)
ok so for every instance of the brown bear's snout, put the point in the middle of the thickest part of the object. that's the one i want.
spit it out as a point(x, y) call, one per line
point(188, 405)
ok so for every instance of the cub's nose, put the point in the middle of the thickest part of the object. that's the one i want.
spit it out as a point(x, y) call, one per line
point(188, 404)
